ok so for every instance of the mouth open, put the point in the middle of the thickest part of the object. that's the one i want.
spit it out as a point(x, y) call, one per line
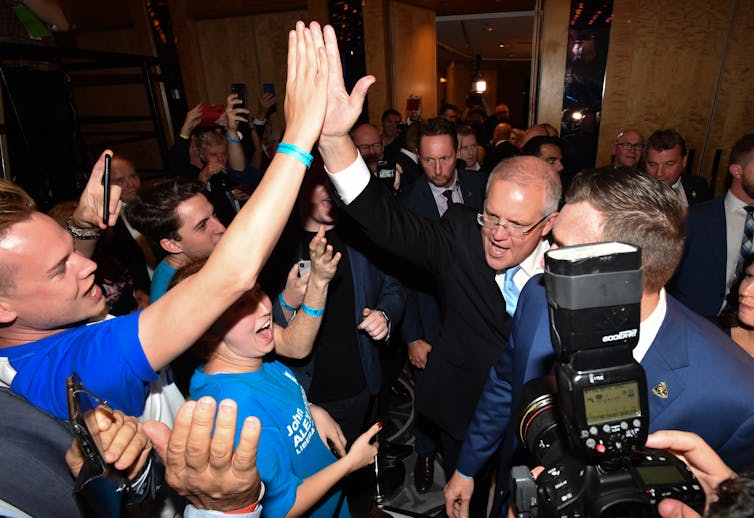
point(265, 332)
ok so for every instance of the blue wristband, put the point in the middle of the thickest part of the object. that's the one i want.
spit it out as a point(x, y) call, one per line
point(285, 304)
point(296, 152)
point(231, 139)
point(312, 312)
point(464, 475)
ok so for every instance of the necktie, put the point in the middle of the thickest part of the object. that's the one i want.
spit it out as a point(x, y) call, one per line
point(448, 193)
point(510, 291)
point(746, 240)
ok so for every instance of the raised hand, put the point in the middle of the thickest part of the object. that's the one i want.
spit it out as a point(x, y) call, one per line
point(193, 118)
point(324, 260)
point(88, 213)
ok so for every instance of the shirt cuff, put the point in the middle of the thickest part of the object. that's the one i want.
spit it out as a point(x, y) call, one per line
point(351, 181)
point(192, 512)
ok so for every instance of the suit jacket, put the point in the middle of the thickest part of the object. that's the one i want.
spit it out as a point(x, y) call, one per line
point(474, 326)
point(372, 289)
point(499, 152)
point(696, 188)
point(422, 319)
point(699, 280)
point(709, 383)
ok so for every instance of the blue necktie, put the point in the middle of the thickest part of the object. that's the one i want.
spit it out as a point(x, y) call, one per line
point(510, 291)
point(746, 240)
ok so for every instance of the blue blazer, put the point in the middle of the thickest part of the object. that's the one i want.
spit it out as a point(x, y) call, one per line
point(372, 289)
point(699, 280)
point(709, 379)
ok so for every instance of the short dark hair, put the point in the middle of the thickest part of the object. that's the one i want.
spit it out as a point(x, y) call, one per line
point(534, 145)
point(664, 139)
point(390, 111)
point(437, 126)
point(447, 106)
point(154, 213)
point(15, 206)
point(640, 210)
point(742, 149)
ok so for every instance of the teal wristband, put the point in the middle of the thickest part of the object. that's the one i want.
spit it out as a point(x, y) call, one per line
point(312, 312)
point(296, 152)
point(464, 475)
point(285, 304)
point(231, 139)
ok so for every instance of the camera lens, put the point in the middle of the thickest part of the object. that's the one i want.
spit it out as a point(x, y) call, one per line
point(538, 427)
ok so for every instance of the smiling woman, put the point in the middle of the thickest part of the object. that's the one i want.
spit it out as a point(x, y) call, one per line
point(738, 316)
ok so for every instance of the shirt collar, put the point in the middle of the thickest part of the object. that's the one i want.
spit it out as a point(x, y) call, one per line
point(650, 326)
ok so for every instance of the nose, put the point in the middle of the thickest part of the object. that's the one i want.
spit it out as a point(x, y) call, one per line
point(86, 266)
point(499, 233)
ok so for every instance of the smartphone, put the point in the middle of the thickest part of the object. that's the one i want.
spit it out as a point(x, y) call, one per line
point(106, 194)
point(240, 90)
point(304, 265)
point(333, 449)
point(385, 169)
point(268, 88)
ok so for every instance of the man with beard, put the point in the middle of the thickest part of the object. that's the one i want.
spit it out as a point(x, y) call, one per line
point(716, 237)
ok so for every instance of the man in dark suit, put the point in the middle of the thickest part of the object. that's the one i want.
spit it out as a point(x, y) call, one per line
point(714, 235)
point(684, 357)
point(500, 147)
point(666, 161)
point(467, 261)
point(442, 185)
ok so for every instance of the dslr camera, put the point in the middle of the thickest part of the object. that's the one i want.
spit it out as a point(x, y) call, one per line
point(588, 423)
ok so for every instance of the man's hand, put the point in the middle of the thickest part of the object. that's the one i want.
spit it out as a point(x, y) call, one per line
point(324, 261)
point(374, 323)
point(397, 177)
point(327, 428)
point(124, 442)
point(342, 109)
point(210, 169)
point(709, 469)
point(233, 116)
point(204, 468)
point(418, 351)
point(193, 118)
point(458, 495)
point(266, 101)
point(88, 213)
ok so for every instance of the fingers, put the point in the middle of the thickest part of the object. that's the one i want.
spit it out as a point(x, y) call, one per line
point(221, 448)
point(159, 435)
point(339, 440)
point(335, 69)
point(245, 458)
point(374, 324)
point(670, 508)
point(200, 434)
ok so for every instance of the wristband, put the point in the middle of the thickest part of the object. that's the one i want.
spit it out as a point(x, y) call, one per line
point(296, 152)
point(84, 234)
point(312, 312)
point(285, 304)
point(231, 139)
point(184, 137)
point(245, 510)
point(464, 475)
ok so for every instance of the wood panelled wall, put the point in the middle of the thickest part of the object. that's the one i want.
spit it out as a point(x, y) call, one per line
point(664, 62)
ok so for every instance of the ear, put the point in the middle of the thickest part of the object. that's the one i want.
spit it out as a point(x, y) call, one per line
point(685, 159)
point(7, 314)
point(171, 246)
point(736, 170)
point(547, 227)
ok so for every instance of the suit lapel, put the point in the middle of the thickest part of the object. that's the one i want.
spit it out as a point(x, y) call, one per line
point(667, 354)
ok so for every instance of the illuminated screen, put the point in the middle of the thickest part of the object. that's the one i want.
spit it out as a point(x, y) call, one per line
point(612, 403)
point(656, 475)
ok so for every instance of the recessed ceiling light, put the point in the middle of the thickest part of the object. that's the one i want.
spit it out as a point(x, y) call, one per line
point(501, 45)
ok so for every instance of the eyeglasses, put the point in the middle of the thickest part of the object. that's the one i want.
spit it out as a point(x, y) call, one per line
point(86, 432)
point(377, 146)
point(512, 229)
point(627, 146)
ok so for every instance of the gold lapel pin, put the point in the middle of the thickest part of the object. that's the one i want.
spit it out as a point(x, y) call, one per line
point(661, 390)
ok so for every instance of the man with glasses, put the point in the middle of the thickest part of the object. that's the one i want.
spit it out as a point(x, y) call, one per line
point(477, 285)
point(367, 139)
point(628, 149)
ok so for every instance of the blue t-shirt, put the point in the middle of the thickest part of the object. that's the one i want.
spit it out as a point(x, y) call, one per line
point(290, 449)
point(107, 356)
point(163, 274)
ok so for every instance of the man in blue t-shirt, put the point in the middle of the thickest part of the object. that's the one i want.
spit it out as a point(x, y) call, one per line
point(177, 215)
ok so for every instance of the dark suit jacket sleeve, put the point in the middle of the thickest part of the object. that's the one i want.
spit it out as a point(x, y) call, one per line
point(400, 231)
point(392, 301)
point(412, 328)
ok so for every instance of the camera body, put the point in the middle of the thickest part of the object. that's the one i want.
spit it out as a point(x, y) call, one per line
point(588, 423)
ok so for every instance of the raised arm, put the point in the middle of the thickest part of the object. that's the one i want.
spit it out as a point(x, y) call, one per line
point(170, 325)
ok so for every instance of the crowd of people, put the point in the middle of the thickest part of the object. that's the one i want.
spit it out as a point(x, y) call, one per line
point(423, 242)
